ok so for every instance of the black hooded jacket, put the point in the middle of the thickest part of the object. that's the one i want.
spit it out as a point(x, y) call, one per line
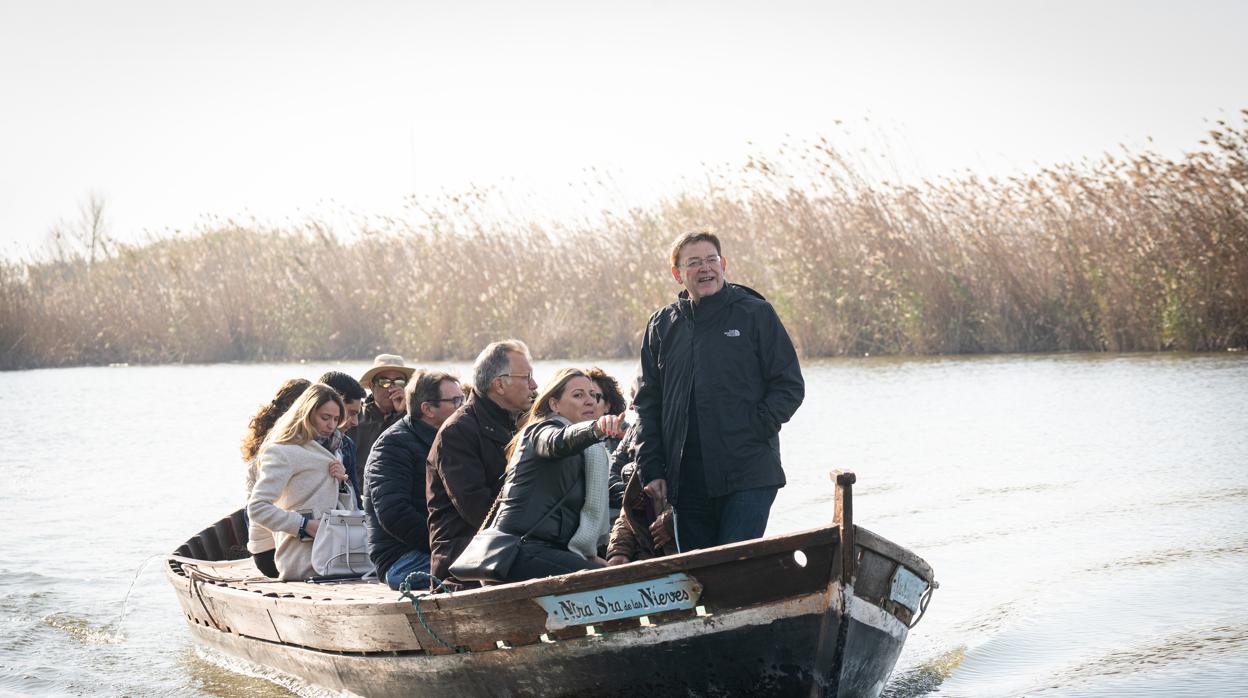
point(732, 346)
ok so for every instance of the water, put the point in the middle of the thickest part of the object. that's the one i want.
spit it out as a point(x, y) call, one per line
point(1085, 516)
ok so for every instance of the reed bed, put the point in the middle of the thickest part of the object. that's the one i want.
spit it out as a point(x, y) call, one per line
point(1129, 253)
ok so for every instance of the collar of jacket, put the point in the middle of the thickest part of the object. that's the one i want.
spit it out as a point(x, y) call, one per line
point(420, 428)
point(496, 422)
point(726, 296)
point(371, 411)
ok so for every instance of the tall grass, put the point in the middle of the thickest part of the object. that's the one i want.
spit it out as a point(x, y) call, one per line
point(1133, 253)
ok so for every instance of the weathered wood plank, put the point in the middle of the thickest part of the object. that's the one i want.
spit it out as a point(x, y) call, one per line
point(637, 571)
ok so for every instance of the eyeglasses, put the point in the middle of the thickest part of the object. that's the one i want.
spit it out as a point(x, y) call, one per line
point(387, 383)
point(695, 262)
point(455, 401)
point(524, 376)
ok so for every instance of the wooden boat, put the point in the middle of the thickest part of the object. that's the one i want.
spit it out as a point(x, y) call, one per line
point(822, 612)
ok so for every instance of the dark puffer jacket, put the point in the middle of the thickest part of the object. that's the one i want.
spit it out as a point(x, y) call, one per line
point(396, 515)
point(732, 345)
point(464, 475)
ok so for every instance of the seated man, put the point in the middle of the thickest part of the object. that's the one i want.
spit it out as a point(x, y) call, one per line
point(386, 379)
point(395, 513)
point(468, 458)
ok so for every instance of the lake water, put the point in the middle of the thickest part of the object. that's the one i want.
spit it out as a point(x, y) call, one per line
point(1086, 515)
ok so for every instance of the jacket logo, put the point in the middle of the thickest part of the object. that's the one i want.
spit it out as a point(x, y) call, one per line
point(733, 333)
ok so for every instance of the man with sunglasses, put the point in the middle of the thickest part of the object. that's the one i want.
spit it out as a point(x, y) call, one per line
point(396, 514)
point(719, 376)
point(385, 405)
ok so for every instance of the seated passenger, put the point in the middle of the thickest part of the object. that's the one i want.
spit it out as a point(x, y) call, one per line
point(555, 492)
point(610, 399)
point(259, 540)
point(387, 379)
point(468, 459)
point(396, 512)
point(353, 402)
point(297, 477)
point(640, 532)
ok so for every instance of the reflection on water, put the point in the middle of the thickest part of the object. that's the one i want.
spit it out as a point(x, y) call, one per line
point(1085, 516)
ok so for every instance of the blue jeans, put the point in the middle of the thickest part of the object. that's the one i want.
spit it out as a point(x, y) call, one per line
point(411, 561)
point(704, 522)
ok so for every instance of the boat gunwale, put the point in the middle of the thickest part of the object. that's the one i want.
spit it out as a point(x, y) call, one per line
point(604, 577)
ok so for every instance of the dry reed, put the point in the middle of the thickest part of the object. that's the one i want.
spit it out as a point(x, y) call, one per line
point(1135, 253)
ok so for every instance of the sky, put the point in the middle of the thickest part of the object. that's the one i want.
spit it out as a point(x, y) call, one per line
point(177, 114)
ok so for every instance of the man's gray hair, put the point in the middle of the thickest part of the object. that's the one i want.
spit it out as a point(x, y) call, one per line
point(493, 361)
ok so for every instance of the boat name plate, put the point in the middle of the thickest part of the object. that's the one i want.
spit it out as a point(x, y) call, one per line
point(670, 593)
point(907, 589)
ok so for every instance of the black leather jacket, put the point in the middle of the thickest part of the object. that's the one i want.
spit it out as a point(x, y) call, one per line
point(395, 513)
point(732, 346)
point(549, 463)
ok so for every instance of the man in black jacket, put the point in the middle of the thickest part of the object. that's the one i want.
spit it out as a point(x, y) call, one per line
point(719, 376)
point(396, 513)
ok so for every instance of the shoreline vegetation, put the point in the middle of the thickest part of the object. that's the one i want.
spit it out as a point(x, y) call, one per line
point(1134, 252)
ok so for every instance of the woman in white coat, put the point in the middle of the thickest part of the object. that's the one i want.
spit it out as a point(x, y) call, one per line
point(298, 479)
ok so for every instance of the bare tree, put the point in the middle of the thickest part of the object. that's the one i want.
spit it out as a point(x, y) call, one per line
point(87, 236)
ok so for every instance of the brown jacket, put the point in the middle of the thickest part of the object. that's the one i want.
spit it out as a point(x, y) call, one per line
point(463, 477)
point(630, 536)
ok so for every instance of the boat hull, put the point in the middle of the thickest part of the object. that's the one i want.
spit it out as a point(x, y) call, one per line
point(756, 652)
point(822, 612)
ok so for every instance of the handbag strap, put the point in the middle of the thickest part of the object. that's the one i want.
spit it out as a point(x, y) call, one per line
point(351, 506)
point(557, 504)
point(493, 513)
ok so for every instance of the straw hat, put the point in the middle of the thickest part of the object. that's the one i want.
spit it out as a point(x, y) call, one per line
point(386, 362)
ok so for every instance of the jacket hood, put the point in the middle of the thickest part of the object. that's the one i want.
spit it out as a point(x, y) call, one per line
point(729, 294)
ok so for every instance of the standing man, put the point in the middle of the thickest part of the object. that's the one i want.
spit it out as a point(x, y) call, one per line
point(385, 406)
point(395, 511)
point(719, 376)
point(466, 465)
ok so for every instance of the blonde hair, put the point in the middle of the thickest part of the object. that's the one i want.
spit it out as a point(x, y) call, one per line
point(541, 404)
point(295, 427)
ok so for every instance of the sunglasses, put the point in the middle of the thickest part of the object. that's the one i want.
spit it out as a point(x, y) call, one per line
point(387, 383)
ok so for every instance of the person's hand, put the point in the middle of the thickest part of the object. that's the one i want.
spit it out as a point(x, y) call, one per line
point(398, 397)
point(617, 560)
point(598, 561)
point(657, 489)
point(311, 527)
point(338, 471)
point(611, 425)
point(661, 529)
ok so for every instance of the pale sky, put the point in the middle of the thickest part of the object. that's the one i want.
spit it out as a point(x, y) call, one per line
point(176, 111)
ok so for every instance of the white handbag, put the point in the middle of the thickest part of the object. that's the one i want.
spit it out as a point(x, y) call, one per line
point(340, 548)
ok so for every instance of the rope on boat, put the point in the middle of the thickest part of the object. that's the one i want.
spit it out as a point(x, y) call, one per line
point(927, 598)
point(405, 592)
point(197, 578)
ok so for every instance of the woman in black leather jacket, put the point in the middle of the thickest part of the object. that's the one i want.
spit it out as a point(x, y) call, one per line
point(555, 494)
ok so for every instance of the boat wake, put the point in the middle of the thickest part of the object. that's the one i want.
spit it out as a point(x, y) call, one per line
point(925, 677)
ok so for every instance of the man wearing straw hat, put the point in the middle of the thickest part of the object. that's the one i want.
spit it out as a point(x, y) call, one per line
point(385, 405)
